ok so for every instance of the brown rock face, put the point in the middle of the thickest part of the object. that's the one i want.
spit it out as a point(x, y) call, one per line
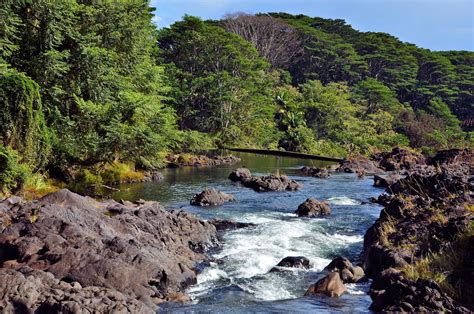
point(347, 272)
point(267, 183)
point(313, 208)
point(211, 197)
point(139, 252)
point(331, 285)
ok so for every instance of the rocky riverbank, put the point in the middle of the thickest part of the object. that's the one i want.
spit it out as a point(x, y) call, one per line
point(419, 252)
point(66, 252)
point(184, 160)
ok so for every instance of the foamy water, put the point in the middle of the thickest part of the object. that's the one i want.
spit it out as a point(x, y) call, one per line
point(239, 278)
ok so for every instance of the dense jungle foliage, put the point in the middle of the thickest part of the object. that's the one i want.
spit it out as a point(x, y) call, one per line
point(86, 83)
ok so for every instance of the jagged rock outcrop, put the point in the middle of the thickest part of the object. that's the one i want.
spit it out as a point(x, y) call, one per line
point(135, 252)
point(211, 197)
point(392, 292)
point(452, 156)
point(425, 213)
point(313, 208)
point(315, 172)
point(399, 159)
point(266, 183)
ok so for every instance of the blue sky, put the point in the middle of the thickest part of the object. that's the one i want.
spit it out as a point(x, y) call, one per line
point(432, 24)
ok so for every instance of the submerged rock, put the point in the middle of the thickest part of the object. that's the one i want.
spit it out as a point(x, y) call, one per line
point(315, 172)
point(266, 183)
point(140, 254)
point(211, 197)
point(294, 261)
point(331, 285)
point(224, 225)
point(312, 208)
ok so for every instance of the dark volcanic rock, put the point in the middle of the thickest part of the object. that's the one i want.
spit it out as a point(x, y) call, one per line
point(331, 285)
point(240, 174)
point(399, 159)
point(26, 289)
point(224, 225)
point(338, 263)
point(315, 172)
point(137, 252)
point(294, 261)
point(424, 213)
point(391, 292)
point(385, 182)
point(359, 164)
point(452, 156)
point(266, 183)
point(211, 197)
point(313, 208)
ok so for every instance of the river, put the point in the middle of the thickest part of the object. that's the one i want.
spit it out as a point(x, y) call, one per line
point(239, 280)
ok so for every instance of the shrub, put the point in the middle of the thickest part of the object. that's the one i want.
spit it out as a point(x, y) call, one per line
point(194, 141)
point(22, 124)
point(13, 175)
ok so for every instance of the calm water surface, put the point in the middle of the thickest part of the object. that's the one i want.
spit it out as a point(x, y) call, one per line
point(240, 280)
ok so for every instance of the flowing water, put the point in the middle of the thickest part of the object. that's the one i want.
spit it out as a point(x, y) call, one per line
point(239, 280)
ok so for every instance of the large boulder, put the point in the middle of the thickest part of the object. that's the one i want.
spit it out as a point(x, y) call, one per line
point(347, 272)
point(359, 164)
point(240, 174)
point(266, 183)
point(338, 263)
point(140, 251)
point(211, 197)
point(313, 208)
point(315, 172)
point(272, 183)
point(331, 285)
